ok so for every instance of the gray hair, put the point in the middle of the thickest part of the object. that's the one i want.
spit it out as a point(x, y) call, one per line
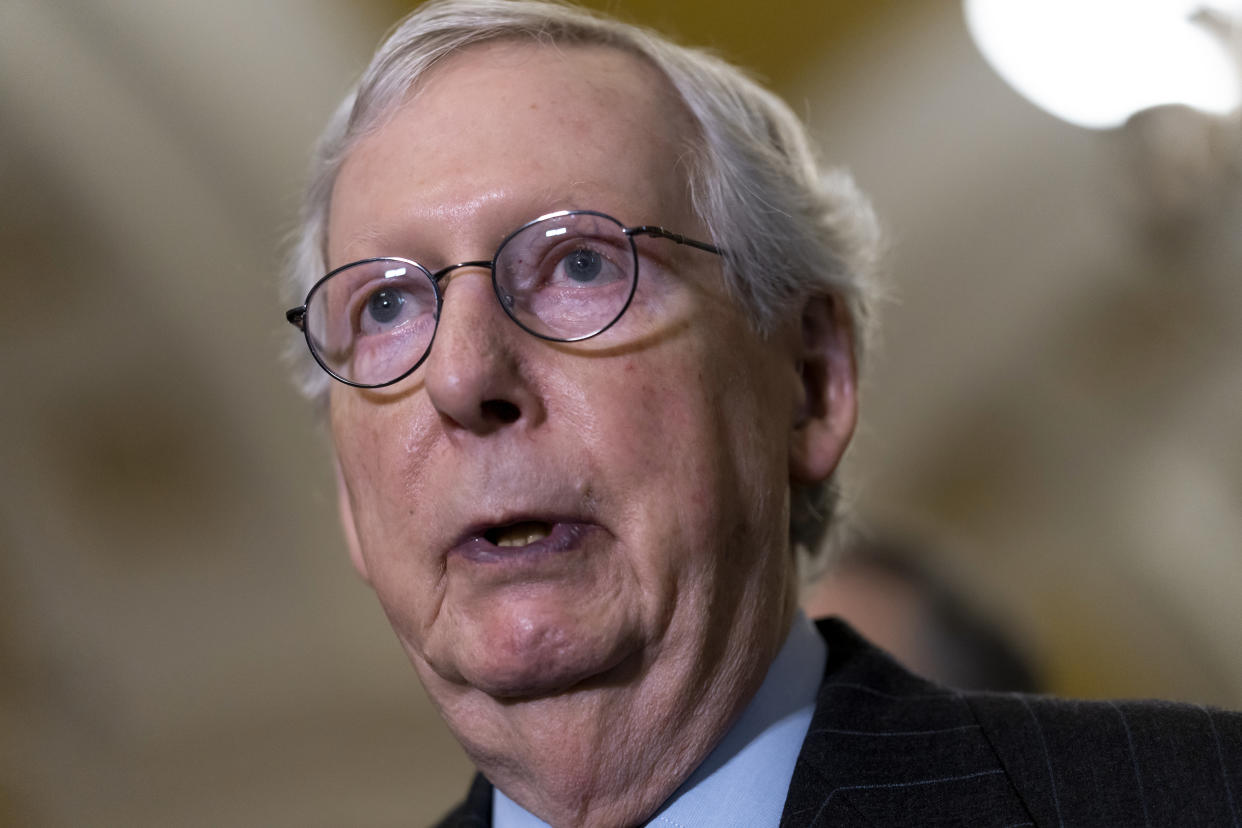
point(789, 229)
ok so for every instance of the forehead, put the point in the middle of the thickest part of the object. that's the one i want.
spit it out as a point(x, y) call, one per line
point(513, 129)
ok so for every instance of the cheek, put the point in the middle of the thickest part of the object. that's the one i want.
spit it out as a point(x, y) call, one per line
point(381, 459)
point(659, 416)
point(691, 433)
point(381, 450)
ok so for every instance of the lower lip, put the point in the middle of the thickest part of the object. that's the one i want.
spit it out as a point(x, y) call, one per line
point(564, 537)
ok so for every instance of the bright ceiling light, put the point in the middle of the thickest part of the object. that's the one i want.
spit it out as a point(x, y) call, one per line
point(1095, 63)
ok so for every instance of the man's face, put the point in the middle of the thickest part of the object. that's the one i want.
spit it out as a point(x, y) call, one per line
point(643, 474)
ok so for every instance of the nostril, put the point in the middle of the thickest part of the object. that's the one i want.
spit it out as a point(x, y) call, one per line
point(501, 411)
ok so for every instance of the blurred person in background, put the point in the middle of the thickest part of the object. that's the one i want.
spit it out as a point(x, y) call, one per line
point(888, 590)
point(585, 314)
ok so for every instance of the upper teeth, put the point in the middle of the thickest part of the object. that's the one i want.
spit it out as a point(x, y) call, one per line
point(520, 534)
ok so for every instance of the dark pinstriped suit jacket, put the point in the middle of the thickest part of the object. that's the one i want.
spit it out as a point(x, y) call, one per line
point(888, 748)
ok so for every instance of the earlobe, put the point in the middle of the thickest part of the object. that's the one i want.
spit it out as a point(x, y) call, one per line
point(829, 409)
point(350, 527)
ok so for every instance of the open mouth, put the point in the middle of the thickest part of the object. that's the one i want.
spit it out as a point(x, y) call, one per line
point(523, 542)
point(523, 533)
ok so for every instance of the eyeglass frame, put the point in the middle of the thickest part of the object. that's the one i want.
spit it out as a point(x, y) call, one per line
point(297, 316)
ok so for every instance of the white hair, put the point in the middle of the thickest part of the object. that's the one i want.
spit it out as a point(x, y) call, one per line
point(789, 229)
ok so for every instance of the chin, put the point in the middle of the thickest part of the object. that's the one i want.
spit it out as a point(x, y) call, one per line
point(528, 682)
point(540, 657)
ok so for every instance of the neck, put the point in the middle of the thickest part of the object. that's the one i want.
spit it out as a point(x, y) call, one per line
point(600, 754)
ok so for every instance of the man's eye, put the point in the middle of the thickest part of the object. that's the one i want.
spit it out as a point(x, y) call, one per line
point(385, 305)
point(391, 306)
point(583, 265)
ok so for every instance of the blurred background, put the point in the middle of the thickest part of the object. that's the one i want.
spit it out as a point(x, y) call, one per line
point(1051, 422)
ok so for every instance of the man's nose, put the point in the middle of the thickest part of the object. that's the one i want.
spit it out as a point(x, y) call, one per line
point(474, 373)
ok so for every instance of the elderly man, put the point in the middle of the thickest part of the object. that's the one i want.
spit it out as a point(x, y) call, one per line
point(587, 339)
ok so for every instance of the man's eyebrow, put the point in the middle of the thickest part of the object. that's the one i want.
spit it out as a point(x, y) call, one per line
point(361, 243)
point(407, 234)
point(366, 236)
point(403, 239)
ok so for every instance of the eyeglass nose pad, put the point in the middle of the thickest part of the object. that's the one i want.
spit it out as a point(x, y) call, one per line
point(441, 276)
point(447, 274)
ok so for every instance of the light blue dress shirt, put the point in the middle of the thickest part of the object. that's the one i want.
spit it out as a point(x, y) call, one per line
point(744, 781)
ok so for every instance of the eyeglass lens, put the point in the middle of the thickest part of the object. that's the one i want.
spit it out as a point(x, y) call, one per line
point(369, 323)
point(566, 277)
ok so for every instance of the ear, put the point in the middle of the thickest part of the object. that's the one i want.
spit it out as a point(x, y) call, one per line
point(824, 424)
point(346, 508)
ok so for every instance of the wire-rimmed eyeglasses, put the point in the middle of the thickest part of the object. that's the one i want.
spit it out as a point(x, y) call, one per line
point(565, 276)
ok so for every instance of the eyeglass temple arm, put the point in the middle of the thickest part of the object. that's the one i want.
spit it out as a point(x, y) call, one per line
point(297, 317)
point(661, 233)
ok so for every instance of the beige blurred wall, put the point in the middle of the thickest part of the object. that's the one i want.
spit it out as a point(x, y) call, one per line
point(1055, 405)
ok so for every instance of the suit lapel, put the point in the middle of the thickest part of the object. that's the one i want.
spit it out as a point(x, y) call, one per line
point(887, 747)
point(475, 811)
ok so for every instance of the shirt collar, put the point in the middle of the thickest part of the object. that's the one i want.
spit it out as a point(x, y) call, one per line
point(745, 779)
